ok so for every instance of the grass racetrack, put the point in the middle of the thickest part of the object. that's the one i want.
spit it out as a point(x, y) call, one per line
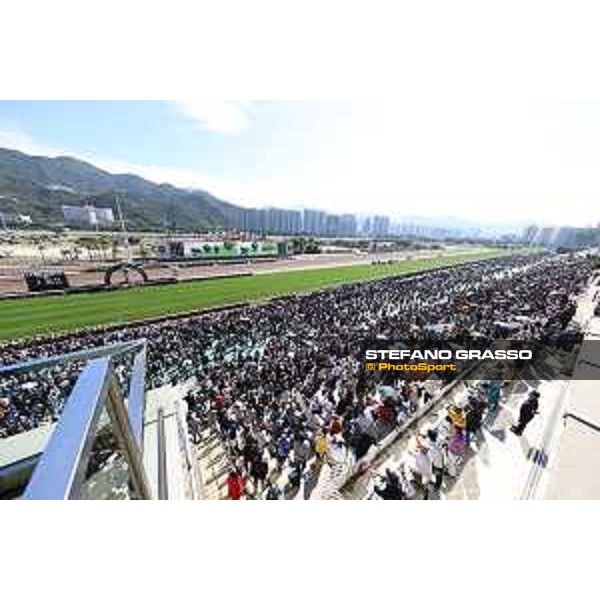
point(21, 318)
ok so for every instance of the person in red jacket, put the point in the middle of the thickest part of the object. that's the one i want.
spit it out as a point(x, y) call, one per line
point(336, 425)
point(236, 485)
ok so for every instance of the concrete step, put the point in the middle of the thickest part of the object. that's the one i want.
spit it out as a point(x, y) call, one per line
point(213, 465)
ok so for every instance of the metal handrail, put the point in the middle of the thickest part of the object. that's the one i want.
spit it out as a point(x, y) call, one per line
point(570, 415)
point(38, 364)
point(162, 457)
point(137, 396)
point(61, 470)
point(127, 441)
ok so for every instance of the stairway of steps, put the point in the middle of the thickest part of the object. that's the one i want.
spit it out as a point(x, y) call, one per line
point(213, 464)
point(330, 480)
point(335, 495)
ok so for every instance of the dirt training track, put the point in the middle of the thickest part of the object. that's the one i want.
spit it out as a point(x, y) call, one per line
point(85, 273)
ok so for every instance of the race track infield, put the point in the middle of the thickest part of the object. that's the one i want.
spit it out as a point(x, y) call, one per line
point(24, 318)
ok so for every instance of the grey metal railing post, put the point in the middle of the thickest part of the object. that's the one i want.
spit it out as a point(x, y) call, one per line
point(136, 398)
point(127, 441)
point(61, 468)
point(163, 493)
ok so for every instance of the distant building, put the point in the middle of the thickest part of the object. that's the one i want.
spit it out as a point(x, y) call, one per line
point(252, 221)
point(570, 238)
point(573, 238)
point(294, 222)
point(81, 215)
point(15, 219)
point(546, 236)
point(267, 220)
point(314, 222)
point(380, 226)
point(88, 215)
point(529, 234)
point(365, 226)
point(332, 225)
point(105, 216)
point(348, 226)
point(280, 221)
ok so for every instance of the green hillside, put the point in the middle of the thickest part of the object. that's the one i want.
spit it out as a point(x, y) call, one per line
point(38, 186)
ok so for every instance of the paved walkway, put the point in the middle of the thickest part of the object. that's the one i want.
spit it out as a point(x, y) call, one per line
point(575, 474)
point(503, 466)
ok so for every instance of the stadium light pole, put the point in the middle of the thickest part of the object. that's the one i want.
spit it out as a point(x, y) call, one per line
point(123, 229)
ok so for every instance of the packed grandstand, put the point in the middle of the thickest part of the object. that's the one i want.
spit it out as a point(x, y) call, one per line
point(282, 383)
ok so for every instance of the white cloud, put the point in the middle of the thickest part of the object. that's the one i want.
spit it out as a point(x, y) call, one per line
point(185, 178)
point(222, 116)
point(14, 138)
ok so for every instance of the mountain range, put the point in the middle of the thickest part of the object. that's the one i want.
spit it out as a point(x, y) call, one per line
point(39, 186)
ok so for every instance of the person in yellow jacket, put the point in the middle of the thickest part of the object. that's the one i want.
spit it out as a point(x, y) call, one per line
point(4, 407)
point(321, 446)
point(458, 416)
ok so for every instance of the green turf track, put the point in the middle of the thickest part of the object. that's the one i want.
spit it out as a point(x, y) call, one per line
point(34, 316)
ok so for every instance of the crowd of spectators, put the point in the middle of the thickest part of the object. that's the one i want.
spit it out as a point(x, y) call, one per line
point(436, 452)
point(283, 382)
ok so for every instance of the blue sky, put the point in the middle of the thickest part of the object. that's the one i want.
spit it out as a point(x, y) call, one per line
point(487, 159)
point(254, 152)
